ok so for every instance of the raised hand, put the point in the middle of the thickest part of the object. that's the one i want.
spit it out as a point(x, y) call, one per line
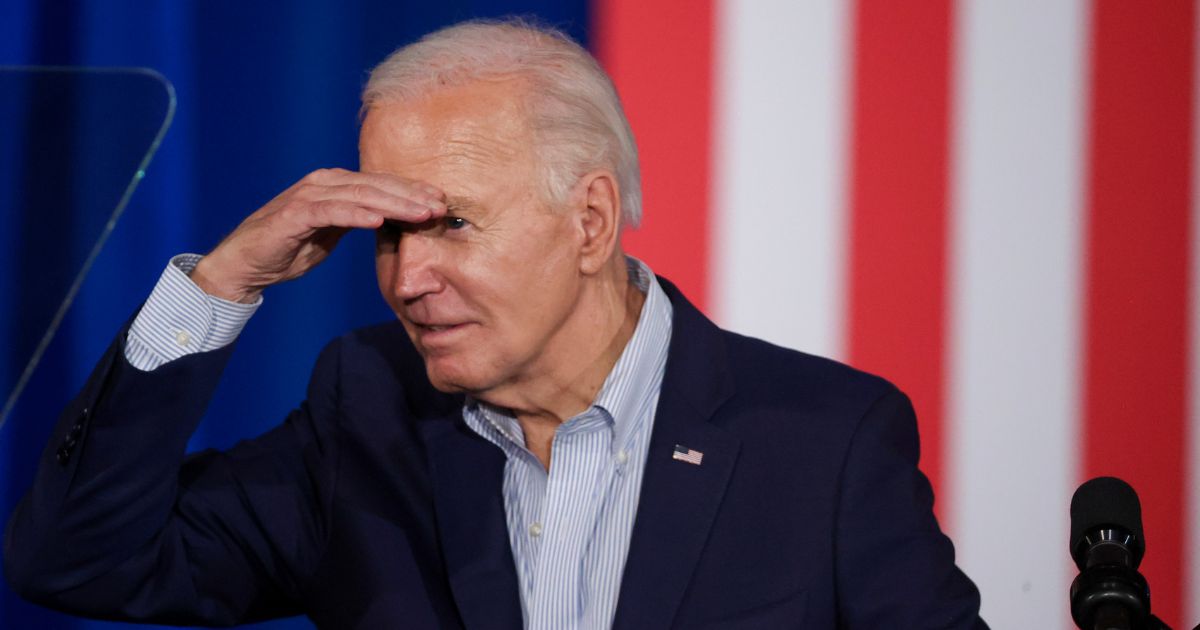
point(296, 230)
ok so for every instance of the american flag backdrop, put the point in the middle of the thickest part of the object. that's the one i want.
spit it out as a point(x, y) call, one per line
point(989, 202)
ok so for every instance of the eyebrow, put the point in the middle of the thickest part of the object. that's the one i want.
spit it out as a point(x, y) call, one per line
point(461, 204)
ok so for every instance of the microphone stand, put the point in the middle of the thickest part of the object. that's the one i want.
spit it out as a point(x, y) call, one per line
point(1112, 596)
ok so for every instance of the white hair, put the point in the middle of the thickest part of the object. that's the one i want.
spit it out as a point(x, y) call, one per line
point(574, 109)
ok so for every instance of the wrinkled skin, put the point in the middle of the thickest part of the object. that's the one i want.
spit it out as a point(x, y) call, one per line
point(518, 300)
point(484, 291)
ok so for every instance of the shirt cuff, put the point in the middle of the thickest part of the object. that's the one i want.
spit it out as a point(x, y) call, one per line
point(179, 319)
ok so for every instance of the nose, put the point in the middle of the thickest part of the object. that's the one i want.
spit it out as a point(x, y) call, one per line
point(416, 273)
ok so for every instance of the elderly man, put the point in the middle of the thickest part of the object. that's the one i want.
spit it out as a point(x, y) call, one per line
point(551, 436)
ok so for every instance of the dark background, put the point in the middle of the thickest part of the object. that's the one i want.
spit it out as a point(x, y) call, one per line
point(267, 92)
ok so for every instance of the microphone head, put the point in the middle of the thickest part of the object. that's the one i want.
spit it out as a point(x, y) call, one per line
point(1106, 503)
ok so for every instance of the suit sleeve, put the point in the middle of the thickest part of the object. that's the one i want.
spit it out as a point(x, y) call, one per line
point(120, 524)
point(895, 568)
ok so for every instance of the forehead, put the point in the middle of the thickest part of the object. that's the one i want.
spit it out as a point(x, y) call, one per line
point(449, 130)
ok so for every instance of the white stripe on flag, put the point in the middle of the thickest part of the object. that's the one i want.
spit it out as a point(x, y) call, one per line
point(778, 171)
point(1015, 261)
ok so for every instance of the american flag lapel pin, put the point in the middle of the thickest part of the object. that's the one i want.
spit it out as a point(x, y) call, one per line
point(685, 454)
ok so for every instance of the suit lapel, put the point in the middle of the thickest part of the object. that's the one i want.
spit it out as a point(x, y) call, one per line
point(468, 474)
point(679, 500)
point(675, 511)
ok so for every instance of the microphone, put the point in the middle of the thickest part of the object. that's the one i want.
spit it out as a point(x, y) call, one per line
point(1107, 544)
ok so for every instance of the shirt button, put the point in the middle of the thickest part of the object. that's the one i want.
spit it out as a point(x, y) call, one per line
point(535, 529)
point(622, 457)
point(182, 338)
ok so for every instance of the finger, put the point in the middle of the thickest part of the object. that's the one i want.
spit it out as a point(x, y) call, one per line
point(388, 182)
point(411, 200)
point(344, 214)
point(409, 211)
point(400, 208)
point(397, 185)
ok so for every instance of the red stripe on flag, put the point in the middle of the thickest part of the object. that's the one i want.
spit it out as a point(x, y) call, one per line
point(898, 192)
point(660, 56)
point(1138, 201)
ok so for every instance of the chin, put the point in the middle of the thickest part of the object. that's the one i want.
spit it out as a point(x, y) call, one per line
point(451, 379)
point(447, 387)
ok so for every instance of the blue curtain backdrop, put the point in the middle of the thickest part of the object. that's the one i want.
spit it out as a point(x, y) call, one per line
point(267, 91)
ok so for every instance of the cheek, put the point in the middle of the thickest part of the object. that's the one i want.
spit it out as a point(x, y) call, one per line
point(552, 265)
point(542, 290)
point(509, 290)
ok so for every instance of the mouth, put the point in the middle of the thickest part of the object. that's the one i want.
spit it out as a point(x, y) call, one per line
point(433, 335)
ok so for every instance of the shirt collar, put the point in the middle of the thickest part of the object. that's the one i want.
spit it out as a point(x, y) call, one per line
point(637, 374)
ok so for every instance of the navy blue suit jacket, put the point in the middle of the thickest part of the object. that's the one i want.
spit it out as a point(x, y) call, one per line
point(374, 506)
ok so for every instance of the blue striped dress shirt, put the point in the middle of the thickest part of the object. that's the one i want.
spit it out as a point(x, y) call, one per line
point(569, 528)
point(179, 318)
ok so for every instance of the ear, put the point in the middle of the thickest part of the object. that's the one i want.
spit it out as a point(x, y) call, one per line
point(598, 205)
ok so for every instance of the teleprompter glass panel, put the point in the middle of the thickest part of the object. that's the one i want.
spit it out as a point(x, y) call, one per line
point(74, 143)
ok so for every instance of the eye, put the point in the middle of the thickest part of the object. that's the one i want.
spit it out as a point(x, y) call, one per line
point(455, 223)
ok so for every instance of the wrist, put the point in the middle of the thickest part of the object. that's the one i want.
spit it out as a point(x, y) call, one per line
point(211, 278)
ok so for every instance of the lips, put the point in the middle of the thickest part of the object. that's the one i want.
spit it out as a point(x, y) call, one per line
point(436, 327)
point(432, 335)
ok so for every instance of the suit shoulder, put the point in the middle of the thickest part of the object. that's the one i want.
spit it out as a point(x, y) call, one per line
point(370, 340)
point(374, 352)
point(374, 335)
point(771, 372)
point(378, 362)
